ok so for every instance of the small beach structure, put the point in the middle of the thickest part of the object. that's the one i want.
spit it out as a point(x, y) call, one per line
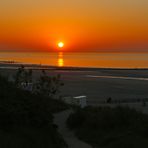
point(78, 100)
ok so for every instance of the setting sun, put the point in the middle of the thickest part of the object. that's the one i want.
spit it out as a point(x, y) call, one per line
point(60, 44)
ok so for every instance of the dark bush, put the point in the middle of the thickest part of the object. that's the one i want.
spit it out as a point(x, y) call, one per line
point(110, 127)
point(27, 118)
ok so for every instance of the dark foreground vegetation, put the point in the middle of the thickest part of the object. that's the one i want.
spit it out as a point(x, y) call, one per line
point(105, 127)
point(26, 119)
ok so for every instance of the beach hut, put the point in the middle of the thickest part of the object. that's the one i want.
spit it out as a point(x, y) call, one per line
point(78, 100)
point(81, 100)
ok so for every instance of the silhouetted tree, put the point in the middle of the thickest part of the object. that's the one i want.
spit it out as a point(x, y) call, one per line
point(23, 76)
point(47, 85)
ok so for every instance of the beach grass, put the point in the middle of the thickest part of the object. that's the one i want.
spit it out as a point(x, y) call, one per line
point(110, 127)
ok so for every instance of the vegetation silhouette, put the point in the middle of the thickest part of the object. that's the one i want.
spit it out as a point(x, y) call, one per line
point(22, 76)
point(110, 127)
point(48, 86)
point(26, 118)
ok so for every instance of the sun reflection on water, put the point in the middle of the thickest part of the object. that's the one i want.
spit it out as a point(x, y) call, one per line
point(60, 59)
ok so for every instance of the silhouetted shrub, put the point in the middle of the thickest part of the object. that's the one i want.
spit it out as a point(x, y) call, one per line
point(47, 86)
point(27, 117)
point(110, 127)
point(22, 76)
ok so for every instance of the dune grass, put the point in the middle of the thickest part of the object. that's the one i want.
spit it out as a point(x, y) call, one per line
point(107, 127)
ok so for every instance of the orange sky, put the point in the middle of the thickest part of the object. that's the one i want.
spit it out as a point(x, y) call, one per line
point(86, 25)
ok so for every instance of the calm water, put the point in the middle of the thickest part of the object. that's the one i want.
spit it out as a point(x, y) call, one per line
point(109, 60)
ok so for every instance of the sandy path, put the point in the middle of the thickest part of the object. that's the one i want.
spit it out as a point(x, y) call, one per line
point(68, 135)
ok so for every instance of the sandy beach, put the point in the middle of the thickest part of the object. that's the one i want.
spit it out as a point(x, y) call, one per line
point(96, 84)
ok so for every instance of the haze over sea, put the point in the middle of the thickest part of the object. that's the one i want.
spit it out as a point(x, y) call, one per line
point(79, 59)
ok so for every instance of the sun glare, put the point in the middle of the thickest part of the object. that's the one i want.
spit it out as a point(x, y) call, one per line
point(60, 44)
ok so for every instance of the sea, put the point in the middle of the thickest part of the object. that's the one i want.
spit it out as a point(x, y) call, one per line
point(78, 59)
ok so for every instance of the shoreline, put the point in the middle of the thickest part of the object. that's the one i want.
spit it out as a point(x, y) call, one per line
point(9, 64)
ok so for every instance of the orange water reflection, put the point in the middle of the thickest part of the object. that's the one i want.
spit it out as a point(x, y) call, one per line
point(103, 60)
point(60, 59)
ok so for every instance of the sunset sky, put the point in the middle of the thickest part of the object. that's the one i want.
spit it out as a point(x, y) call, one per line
point(82, 25)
